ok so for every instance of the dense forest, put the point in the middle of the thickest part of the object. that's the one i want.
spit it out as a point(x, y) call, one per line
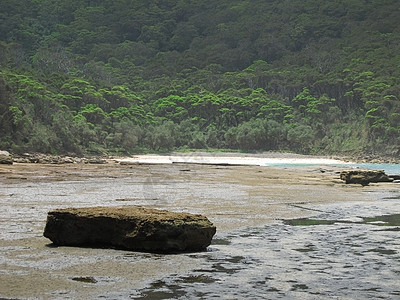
point(127, 76)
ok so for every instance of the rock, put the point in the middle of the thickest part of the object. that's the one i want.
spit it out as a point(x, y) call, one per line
point(68, 160)
point(129, 163)
point(96, 161)
point(395, 177)
point(6, 158)
point(41, 158)
point(129, 227)
point(364, 177)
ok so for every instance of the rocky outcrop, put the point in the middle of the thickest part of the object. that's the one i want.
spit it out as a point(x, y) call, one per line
point(5, 158)
point(95, 160)
point(40, 158)
point(131, 228)
point(364, 177)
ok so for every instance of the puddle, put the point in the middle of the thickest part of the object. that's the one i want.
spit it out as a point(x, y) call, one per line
point(385, 220)
point(308, 222)
point(219, 241)
point(85, 279)
point(383, 251)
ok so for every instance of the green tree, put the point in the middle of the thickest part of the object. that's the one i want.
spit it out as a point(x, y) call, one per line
point(301, 138)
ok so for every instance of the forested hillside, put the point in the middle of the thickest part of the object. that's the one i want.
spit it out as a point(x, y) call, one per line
point(126, 76)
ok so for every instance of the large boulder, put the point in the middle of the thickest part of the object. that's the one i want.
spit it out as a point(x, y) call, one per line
point(5, 158)
point(364, 177)
point(131, 228)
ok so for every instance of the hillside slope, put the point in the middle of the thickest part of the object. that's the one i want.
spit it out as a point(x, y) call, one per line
point(126, 76)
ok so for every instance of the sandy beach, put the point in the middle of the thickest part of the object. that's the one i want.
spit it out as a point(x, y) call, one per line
point(235, 193)
point(262, 159)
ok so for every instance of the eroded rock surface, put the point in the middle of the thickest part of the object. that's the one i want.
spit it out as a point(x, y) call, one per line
point(5, 158)
point(131, 228)
point(364, 177)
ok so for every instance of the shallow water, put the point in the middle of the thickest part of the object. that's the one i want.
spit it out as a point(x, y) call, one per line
point(390, 169)
point(253, 255)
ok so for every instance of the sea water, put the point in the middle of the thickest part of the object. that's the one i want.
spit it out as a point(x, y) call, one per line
point(390, 169)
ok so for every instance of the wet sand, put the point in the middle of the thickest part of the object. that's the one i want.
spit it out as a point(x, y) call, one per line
point(233, 197)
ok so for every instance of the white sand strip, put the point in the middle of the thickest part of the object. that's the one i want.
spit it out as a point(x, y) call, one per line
point(228, 160)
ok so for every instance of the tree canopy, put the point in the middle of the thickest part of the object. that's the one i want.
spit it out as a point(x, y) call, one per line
point(124, 76)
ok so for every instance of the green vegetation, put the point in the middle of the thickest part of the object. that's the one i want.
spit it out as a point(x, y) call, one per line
point(92, 77)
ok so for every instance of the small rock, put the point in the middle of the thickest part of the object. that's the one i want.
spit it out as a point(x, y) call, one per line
point(129, 227)
point(97, 161)
point(6, 158)
point(395, 177)
point(129, 163)
point(364, 177)
point(67, 160)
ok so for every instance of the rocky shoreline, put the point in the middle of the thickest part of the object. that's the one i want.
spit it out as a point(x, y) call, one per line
point(373, 159)
point(39, 158)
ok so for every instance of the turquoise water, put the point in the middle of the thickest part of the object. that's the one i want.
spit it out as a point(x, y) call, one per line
point(392, 169)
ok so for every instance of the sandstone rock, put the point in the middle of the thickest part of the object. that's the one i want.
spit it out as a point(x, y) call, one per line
point(131, 228)
point(364, 177)
point(96, 161)
point(395, 177)
point(6, 158)
point(129, 163)
point(41, 158)
point(68, 160)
